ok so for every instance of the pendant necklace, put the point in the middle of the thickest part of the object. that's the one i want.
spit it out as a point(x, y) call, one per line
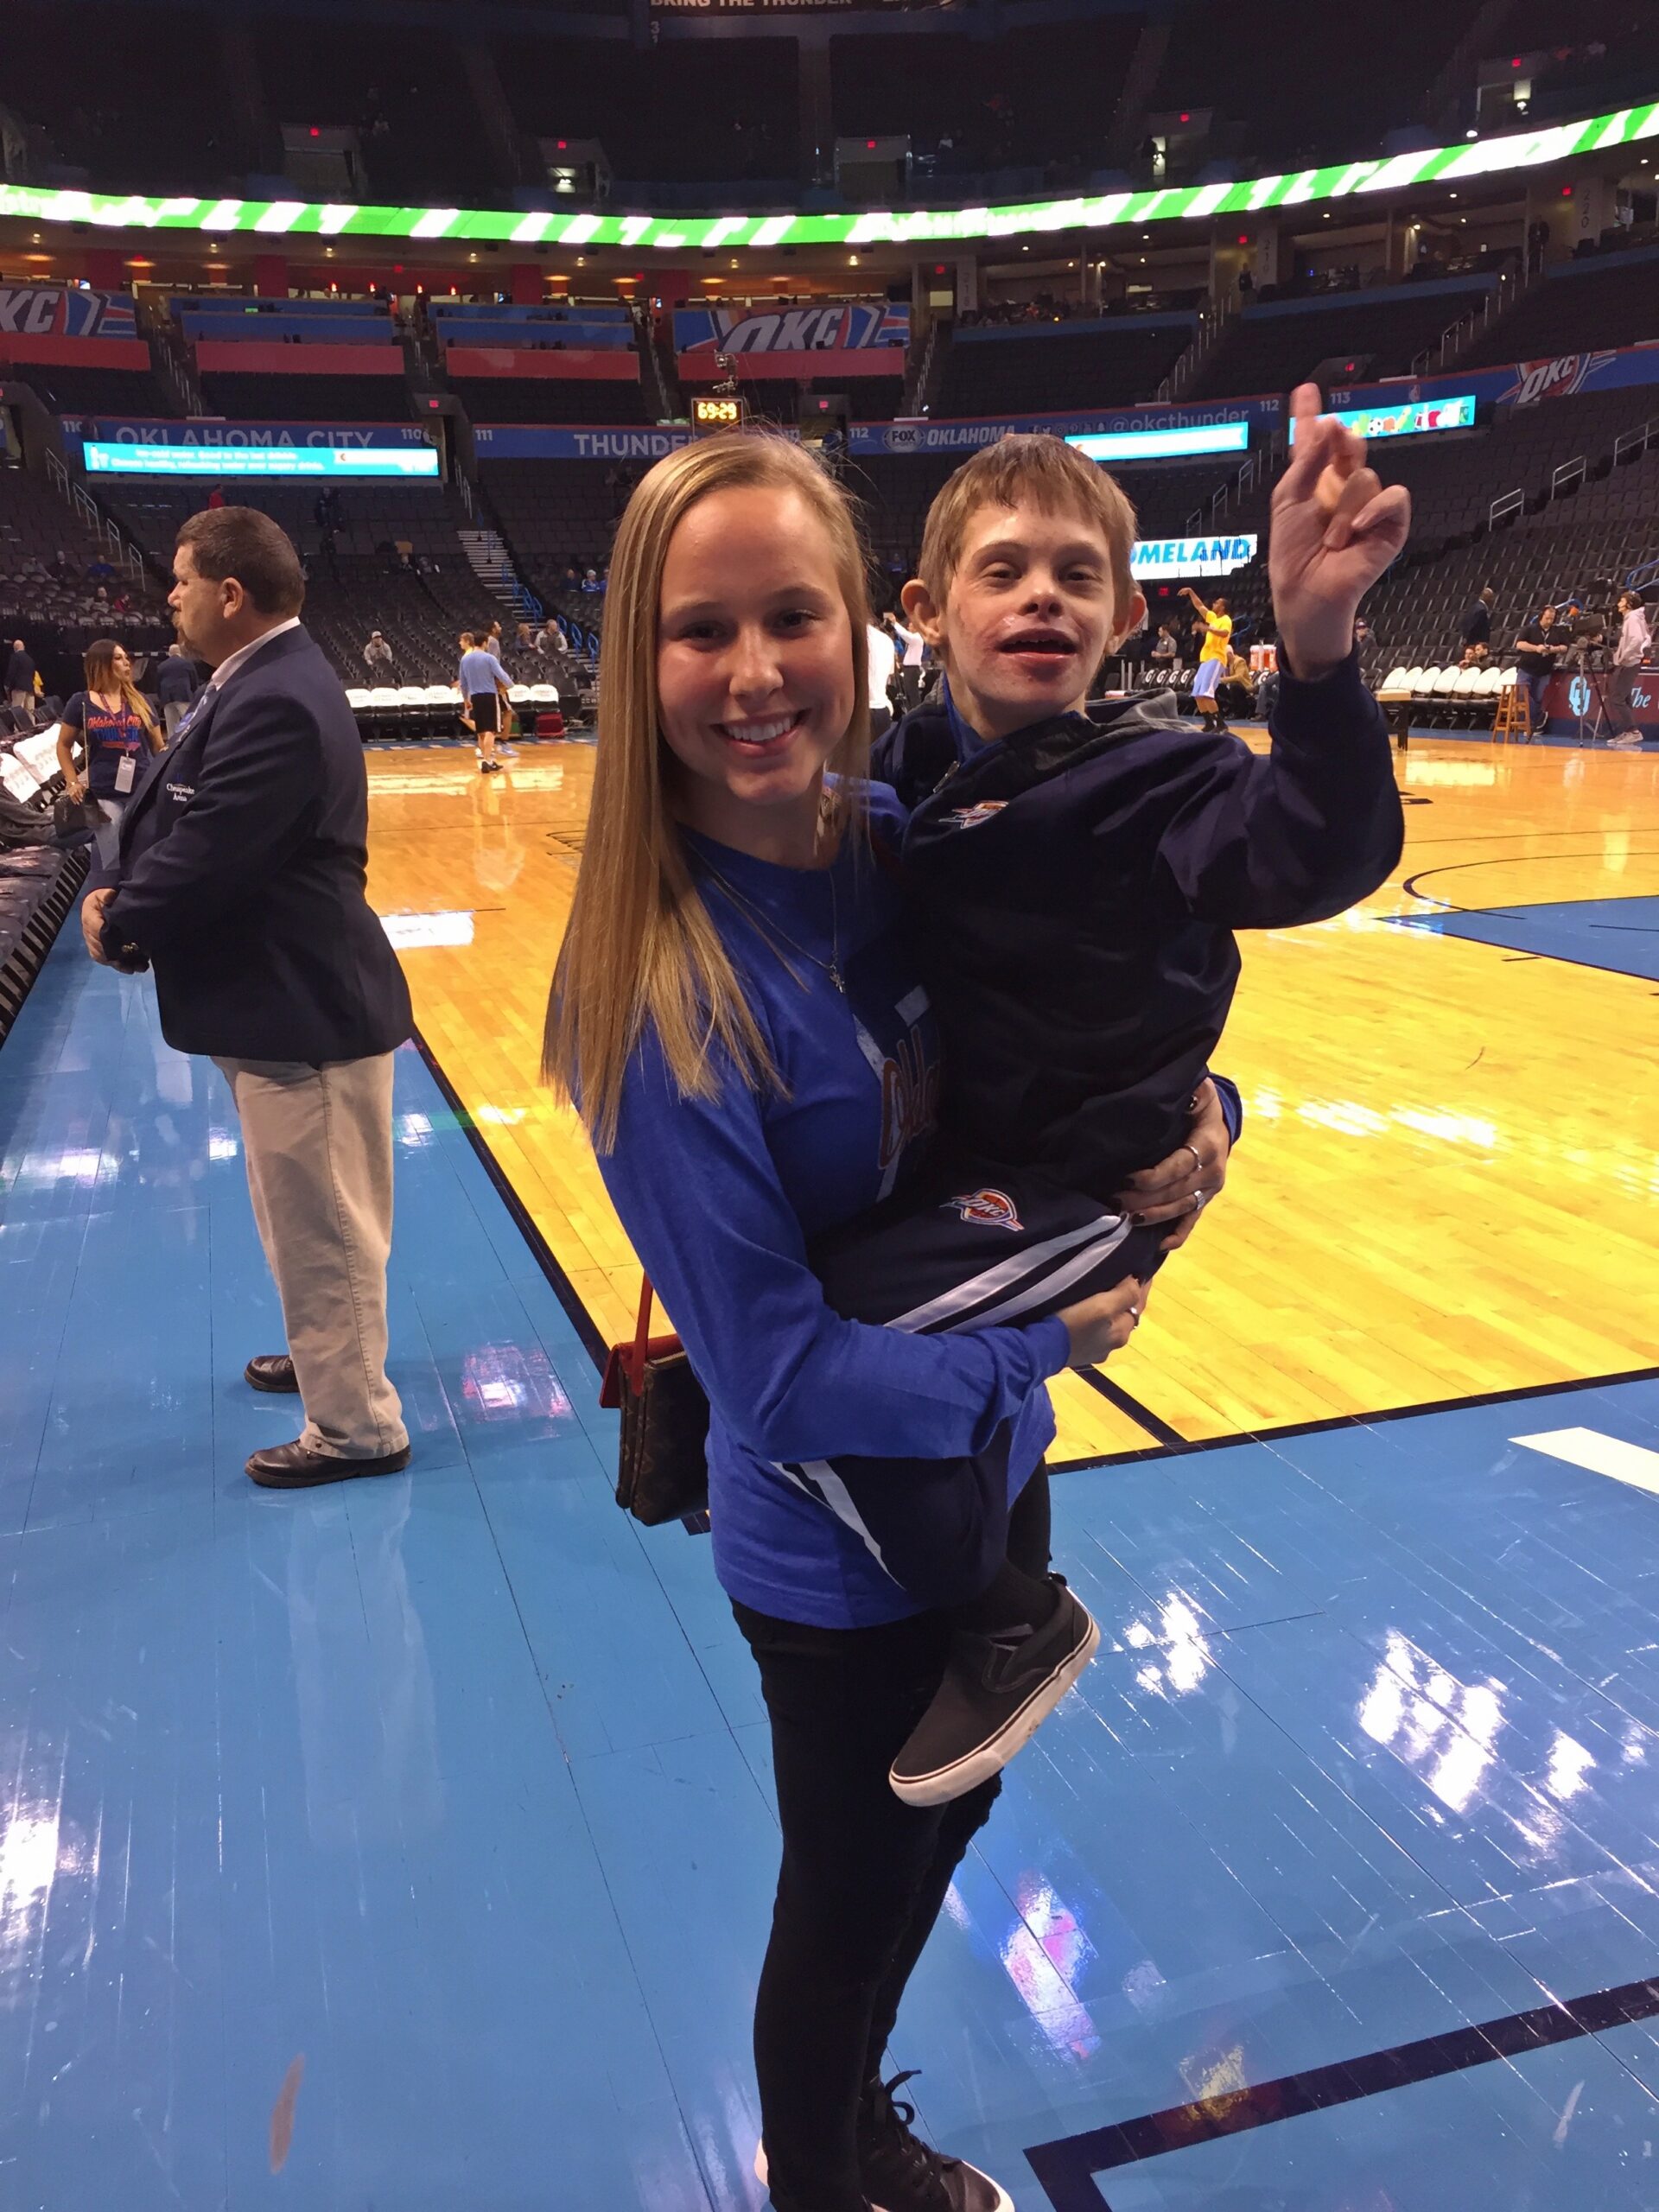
point(770, 931)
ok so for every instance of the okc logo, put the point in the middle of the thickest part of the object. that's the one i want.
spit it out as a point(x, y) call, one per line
point(970, 817)
point(1578, 696)
point(989, 1210)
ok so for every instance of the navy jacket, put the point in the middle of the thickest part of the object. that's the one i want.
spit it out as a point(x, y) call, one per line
point(1077, 886)
point(177, 680)
point(243, 856)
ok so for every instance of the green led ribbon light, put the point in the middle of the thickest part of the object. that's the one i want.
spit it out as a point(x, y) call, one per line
point(290, 219)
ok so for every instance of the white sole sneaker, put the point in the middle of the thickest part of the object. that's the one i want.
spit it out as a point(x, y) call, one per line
point(1004, 2202)
point(943, 1784)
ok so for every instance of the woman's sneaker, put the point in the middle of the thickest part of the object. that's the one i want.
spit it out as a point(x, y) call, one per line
point(996, 1693)
point(898, 2170)
point(900, 2173)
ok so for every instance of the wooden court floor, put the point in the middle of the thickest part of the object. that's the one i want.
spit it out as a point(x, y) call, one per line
point(1449, 1178)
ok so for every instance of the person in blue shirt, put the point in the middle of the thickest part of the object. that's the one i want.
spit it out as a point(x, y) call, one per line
point(115, 731)
point(737, 1012)
point(484, 684)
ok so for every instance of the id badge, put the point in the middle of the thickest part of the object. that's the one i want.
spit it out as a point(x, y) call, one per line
point(126, 771)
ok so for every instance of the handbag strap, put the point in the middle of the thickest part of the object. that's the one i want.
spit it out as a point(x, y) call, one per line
point(641, 1336)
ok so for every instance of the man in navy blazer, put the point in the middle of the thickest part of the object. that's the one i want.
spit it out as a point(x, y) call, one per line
point(239, 881)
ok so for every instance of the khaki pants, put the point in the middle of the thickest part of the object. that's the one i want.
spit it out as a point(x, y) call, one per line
point(318, 1143)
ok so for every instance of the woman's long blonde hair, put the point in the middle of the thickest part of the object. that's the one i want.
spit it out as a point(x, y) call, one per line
point(98, 663)
point(640, 950)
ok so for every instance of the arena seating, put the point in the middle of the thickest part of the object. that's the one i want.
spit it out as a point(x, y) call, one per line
point(1610, 300)
point(549, 399)
point(1454, 479)
point(60, 614)
point(1243, 81)
point(1114, 361)
point(1273, 347)
point(1445, 696)
point(404, 91)
point(970, 108)
point(555, 512)
point(695, 111)
point(37, 888)
point(1414, 612)
point(232, 319)
point(578, 328)
point(123, 394)
point(418, 608)
point(100, 85)
point(249, 398)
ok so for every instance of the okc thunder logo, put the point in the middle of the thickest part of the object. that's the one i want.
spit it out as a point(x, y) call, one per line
point(970, 817)
point(989, 1210)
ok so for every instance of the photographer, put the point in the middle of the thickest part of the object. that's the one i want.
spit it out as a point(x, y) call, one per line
point(1538, 650)
point(1635, 643)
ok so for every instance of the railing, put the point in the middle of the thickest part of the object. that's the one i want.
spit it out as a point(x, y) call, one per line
point(1257, 467)
point(1213, 322)
point(1629, 443)
point(109, 533)
point(915, 388)
point(1567, 477)
point(1456, 339)
point(645, 339)
point(1508, 504)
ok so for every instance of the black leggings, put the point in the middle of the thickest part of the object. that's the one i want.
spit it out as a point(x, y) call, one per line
point(863, 1874)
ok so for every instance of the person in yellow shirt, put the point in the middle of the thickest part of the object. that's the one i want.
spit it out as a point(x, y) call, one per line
point(1215, 652)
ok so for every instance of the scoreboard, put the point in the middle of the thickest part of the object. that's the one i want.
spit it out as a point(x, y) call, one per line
point(718, 413)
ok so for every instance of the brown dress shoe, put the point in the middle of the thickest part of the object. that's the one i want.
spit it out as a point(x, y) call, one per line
point(271, 1370)
point(293, 1466)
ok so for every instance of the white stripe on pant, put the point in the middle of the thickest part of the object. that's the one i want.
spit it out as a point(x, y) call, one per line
point(318, 1144)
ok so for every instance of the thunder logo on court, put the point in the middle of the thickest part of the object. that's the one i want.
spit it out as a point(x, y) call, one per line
point(989, 1210)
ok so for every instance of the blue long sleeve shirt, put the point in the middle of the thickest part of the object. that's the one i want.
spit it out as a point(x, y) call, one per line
point(720, 1197)
point(480, 672)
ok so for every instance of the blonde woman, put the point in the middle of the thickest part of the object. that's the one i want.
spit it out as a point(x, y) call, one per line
point(736, 1011)
point(112, 722)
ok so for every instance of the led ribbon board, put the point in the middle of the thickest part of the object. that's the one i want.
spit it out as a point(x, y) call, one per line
point(1192, 557)
point(1162, 445)
point(104, 458)
point(1410, 419)
point(277, 218)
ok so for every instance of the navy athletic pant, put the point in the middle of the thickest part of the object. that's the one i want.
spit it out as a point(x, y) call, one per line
point(959, 1251)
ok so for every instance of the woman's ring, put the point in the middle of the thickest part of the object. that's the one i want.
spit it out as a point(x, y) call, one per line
point(1197, 1157)
point(1200, 1199)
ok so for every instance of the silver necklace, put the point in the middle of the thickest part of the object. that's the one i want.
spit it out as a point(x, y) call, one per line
point(769, 929)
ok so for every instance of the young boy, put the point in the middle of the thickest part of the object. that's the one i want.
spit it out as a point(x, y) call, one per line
point(1077, 883)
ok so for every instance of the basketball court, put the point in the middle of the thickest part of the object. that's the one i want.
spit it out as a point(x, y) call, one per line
point(410, 1844)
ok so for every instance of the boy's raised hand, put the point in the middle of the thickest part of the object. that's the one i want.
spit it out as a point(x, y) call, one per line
point(1335, 530)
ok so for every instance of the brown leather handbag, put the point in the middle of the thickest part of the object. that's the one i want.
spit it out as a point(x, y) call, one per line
point(662, 1471)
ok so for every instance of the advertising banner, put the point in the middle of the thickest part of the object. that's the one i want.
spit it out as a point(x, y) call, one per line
point(1260, 415)
point(65, 311)
point(356, 462)
point(850, 326)
point(1163, 445)
point(1407, 418)
point(1192, 557)
point(1570, 373)
point(217, 438)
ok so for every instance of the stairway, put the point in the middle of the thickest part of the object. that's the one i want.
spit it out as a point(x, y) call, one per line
point(491, 562)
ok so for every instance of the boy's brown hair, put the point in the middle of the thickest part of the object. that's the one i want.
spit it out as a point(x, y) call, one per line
point(1050, 474)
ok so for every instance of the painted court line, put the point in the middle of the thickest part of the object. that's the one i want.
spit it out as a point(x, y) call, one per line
point(1602, 1455)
